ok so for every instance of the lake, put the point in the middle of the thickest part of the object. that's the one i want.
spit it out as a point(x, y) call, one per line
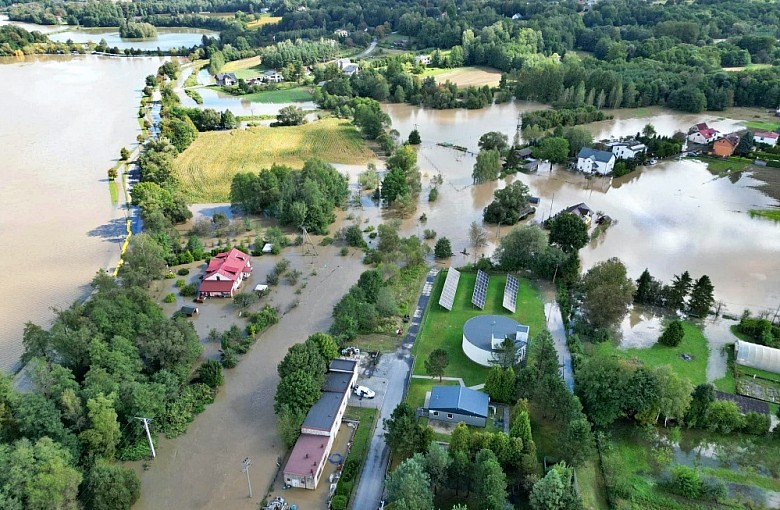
point(64, 121)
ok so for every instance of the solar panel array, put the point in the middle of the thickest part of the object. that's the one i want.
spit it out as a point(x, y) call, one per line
point(450, 287)
point(480, 290)
point(510, 293)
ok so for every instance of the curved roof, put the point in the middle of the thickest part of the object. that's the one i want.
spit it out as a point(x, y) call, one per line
point(757, 356)
point(480, 330)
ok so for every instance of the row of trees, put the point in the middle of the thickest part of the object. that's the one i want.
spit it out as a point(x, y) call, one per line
point(683, 294)
point(306, 197)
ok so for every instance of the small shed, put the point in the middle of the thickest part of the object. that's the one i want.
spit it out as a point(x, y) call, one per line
point(260, 287)
point(189, 311)
point(268, 248)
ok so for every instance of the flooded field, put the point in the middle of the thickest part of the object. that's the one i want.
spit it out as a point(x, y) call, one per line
point(59, 137)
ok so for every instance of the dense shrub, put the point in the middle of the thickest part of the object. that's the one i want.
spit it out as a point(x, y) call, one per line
point(686, 482)
point(339, 502)
point(210, 373)
point(672, 334)
point(756, 424)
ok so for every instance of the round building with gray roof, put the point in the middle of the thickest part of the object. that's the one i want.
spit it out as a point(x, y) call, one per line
point(484, 334)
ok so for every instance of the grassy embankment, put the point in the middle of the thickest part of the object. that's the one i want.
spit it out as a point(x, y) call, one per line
point(207, 167)
point(444, 329)
point(470, 76)
point(770, 214)
point(762, 125)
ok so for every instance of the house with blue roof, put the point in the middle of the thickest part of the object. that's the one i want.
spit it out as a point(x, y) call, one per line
point(593, 161)
point(455, 404)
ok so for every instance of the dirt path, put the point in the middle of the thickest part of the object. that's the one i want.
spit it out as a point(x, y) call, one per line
point(202, 469)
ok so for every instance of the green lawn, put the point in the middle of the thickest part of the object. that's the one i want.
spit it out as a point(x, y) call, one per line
point(771, 214)
point(290, 95)
point(415, 397)
point(442, 328)
point(721, 166)
point(591, 486)
point(694, 343)
point(366, 415)
point(762, 125)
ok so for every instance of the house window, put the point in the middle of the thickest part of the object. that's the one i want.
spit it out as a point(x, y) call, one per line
point(449, 416)
point(436, 413)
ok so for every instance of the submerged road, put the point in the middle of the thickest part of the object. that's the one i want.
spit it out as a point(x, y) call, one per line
point(372, 481)
point(558, 331)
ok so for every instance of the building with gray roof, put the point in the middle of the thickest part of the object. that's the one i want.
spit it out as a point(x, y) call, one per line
point(595, 161)
point(484, 334)
point(457, 404)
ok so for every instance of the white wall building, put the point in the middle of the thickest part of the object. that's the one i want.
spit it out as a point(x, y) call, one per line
point(592, 161)
point(628, 149)
point(766, 137)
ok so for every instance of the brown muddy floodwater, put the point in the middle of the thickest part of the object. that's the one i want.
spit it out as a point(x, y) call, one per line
point(671, 217)
point(63, 122)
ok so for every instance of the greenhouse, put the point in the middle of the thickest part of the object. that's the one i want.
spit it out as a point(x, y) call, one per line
point(757, 356)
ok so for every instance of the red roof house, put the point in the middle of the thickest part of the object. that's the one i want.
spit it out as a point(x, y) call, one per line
point(703, 134)
point(225, 273)
point(766, 137)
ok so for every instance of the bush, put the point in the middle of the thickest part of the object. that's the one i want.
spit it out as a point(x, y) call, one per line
point(210, 373)
point(353, 236)
point(338, 502)
point(429, 233)
point(292, 277)
point(229, 359)
point(344, 251)
point(443, 248)
point(281, 266)
point(756, 424)
point(672, 334)
point(170, 298)
point(169, 275)
point(189, 290)
point(180, 283)
point(326, 241)
point(272, 278)
point(433, 194)
point(183, 271)
point(686, 482)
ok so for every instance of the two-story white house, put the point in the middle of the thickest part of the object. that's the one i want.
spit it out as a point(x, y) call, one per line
point(628, 149)
point(592, 161)
point(422, 59)
point(703, 134)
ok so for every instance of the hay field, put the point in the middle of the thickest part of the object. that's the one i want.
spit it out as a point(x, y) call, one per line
point(467, 76)
point(207, 167)
point(265, 20)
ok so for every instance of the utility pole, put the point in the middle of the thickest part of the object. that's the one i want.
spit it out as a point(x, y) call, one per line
point(148, 434)
point(246, 462)
point(775, 317)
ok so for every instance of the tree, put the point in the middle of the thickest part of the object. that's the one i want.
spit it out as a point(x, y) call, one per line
point(648, 131)
point(326, 345)
point(702, 297)
point(124, 153)
point(477, 237)
point(568, 231)
point(487, 166)
point(602, 385)
point(111, 486)
point(674, 394)
point(460, 472)
point(672, 335)
point(436, 363)
point(493, 141)
point(289, 423)
point(576, 444)
point(305, 357)
point(648, 289)
point(414, 137)
point(547, 493)
point(676, 294)
point(299, 390)
point(143, 262)
point(554, 149)
point(460, 439)
point(103, 434)
point(437, 462)
point(506, 355)
point(409, 486)
point(210, 373)
point(500, 384)
point(724, 416)
point(745, 145)
point(578, 138)
point(490, 482)
point(701, 398)
point(402, 433)
point(443, 248)
point(520, 248)
point(509, 205)
point(394, 185)
point(291, 116)
point(608, 293)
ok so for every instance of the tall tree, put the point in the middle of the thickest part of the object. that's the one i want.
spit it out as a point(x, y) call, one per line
point(608, 293)
point(500, 384)
point(403, 434)
point(506, 355)
point(701, 398)
point(702, 297)
point(676, 294)
point(674, 394)
point(304, 357)
point(554, 149)
point(103, 433)
point(487, 166)
point(568, 231)
point(436, 363)
point(548, 493)
point(143, 261)
point(576, 444)
point(111, 487)
point(437, 462)
point(490, 482)
point(493, 141)
point(460, 472)
point(602, 385)
point(508, 205)
point(409, 486)
point(520, 247)
point(477, 237)
point(460, 438)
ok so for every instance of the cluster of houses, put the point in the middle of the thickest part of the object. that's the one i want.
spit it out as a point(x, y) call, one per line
point(308, 458)
point(724, 145)
point(602, 162)
point(229, 79)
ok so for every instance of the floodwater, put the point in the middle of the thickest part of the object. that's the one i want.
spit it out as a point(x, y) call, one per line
point(671, 217)
point(64, 120)
point(166, 39)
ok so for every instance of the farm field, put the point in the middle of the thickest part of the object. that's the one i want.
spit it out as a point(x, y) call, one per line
point(207, 167)
point(448, 330)
point(265, 20)
point(244, 68)
point(466, 76)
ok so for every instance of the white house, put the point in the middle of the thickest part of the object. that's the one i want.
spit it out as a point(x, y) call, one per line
point(343, 62)
point(272, 77)
point(703, 134)
point(422, 59)
point(341, 33)
point(595, 161)
point(628, 149)
point(350, 69)
point(766, 137)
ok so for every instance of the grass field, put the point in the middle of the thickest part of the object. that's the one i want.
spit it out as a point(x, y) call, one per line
point(293, 94)
point(762, 125)
point(207, 167)
point(466, 76)
point(444, 329)
point(771, 214)
point(591, 485)
point(265, 20)
point(244, 68)
point(749, 67)
point(693, 343)
point(723, 166)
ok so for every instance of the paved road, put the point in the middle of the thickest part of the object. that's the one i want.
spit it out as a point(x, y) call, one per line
point(555, 325)
point(372, 481)
point(368, 50)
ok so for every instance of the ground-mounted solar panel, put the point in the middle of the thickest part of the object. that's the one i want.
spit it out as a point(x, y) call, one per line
point(480, 290)
point(450, 287)
point(510, 293)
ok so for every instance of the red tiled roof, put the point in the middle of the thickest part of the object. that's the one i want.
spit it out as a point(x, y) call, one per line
point(766, 134)
point(708, 132)
point(702, 126)
point(228, 267)
point(307, 455)
point(215, 286)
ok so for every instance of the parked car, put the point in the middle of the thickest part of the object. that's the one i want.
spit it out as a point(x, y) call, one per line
point(363, 392)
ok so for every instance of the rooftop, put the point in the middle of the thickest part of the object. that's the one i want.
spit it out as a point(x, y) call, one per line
point(480, 330)
point(600, 156)
point(460, 400)
point(342, 365)
point(337, 382)
point(766, 134)
point(322, 415)
point(307, 455)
